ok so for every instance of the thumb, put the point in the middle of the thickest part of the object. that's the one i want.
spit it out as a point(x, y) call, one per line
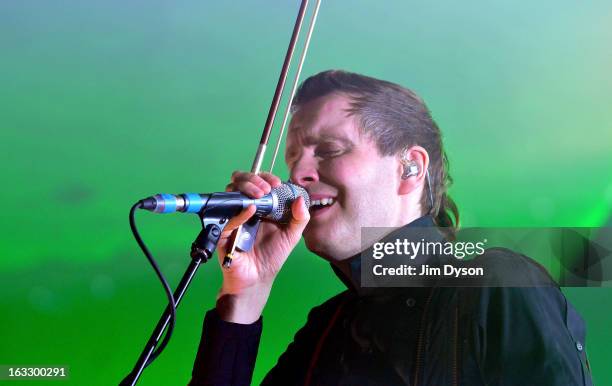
point(299, 215)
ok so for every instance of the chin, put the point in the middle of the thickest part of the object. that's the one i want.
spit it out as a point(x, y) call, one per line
point(318, 242)
point(323, 244)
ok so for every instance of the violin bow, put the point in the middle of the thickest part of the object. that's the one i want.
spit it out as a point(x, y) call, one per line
point(238, 239)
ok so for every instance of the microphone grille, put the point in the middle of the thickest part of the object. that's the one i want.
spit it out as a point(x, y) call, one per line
point(285, 195)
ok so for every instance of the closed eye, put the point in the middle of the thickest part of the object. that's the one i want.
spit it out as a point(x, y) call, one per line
point(326, 151)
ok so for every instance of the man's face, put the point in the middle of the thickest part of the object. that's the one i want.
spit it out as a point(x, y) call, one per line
point(328, 155)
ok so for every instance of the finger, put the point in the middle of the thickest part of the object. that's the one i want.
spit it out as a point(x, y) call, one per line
point(271, 179)
point(240, 218)
point(299, 215)
point(237, 174)
point(250, 189)
point(247, 187)
point(255, 180)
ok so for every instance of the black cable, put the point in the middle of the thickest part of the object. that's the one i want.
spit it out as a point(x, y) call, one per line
point(160, 275)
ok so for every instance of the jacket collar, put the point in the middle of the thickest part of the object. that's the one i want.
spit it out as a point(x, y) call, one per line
point(353, 281)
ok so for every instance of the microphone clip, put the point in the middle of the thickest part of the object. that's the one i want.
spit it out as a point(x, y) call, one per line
point(205, 244)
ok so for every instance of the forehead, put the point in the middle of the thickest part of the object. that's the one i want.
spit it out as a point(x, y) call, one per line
point(323, 118)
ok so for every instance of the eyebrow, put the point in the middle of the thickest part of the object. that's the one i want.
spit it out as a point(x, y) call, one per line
point(310, 139)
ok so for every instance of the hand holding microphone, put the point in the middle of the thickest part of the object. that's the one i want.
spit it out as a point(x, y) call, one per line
point(247, 284)
point(283, 207)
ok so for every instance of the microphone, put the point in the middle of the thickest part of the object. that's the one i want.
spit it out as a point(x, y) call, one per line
point(275, 206)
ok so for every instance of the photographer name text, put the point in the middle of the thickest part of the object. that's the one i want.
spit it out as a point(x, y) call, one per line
point(425, 270)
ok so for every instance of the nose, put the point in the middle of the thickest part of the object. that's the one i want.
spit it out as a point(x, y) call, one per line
point(305, 171)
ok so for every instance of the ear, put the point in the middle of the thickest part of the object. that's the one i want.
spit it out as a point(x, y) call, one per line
point(412, 166)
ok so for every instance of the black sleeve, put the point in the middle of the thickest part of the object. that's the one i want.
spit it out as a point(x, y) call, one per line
point(530, 336)
point(227, 352)
point(294, 363)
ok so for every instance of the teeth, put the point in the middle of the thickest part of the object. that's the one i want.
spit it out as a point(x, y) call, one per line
point(323, 201)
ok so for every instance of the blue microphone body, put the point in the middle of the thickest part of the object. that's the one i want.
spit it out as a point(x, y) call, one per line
point(194, 202)
point(275, 205)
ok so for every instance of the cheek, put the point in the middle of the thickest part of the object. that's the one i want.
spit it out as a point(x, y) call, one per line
point(363, 188)
point(348, 172)
point(361, 183)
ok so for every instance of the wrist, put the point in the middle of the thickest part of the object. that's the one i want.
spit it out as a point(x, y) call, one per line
point(245, 306)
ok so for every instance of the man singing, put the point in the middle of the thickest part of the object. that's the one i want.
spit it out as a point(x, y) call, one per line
point(370, 155)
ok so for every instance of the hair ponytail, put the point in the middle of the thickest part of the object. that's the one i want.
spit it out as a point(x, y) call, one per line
point(444, 211)
point(447, 217)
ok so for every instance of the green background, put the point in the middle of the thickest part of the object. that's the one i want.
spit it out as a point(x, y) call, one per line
point(106, 102)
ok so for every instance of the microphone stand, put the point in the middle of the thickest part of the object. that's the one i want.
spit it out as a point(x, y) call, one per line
point(201, 251)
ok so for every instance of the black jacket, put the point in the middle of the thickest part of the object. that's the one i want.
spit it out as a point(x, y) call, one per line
point(415, 336)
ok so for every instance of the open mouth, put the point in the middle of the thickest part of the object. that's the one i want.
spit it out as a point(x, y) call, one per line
point(321, 205)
